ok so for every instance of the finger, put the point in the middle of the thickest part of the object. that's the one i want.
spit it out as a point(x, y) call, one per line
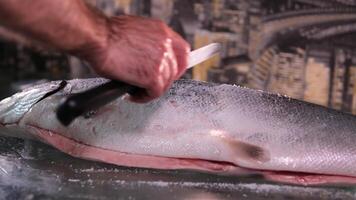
point(169, 66)
point(161, 80)
point(173, 66)
point(168, 71)
point(150, 93)
point(172, 76)
point(181, 50)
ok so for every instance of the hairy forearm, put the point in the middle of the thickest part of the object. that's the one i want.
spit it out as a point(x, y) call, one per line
point(66, 25)
point(140, 51)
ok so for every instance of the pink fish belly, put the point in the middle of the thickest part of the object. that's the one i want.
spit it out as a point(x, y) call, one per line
point(81, 150)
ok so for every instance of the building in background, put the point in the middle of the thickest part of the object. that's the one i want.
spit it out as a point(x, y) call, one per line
point(300, 63)
point(301, 48)
point(287, 73)
point(317, 76)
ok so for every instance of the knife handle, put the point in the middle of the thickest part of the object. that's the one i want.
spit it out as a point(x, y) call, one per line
point(92, 99)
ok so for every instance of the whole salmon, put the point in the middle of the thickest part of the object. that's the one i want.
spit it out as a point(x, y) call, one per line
point(195, 125)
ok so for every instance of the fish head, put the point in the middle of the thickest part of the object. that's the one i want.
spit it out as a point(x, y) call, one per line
point(14, 108)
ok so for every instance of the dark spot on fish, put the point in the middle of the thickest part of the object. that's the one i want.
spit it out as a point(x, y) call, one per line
point(255, 152)
point(247, 152)
point(89, 114)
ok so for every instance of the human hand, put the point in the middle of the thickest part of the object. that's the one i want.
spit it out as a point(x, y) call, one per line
point(142, 52)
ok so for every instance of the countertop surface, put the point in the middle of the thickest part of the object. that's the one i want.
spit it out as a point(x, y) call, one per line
point(31, 170)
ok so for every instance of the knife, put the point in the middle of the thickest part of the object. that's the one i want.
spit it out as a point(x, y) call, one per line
point(94, 98)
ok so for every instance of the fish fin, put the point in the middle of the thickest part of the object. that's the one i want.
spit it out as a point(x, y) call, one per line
point(60, 87)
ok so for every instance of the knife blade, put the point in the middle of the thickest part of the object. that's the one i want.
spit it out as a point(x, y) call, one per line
point(202, 54)
point(94, 98)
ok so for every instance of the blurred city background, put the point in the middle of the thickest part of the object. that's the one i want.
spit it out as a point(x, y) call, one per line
point(301, 48)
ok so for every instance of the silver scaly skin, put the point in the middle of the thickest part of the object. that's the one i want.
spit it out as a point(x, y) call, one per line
point(199, 120)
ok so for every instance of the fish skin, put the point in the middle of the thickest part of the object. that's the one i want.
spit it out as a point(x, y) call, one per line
point(199, 120)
